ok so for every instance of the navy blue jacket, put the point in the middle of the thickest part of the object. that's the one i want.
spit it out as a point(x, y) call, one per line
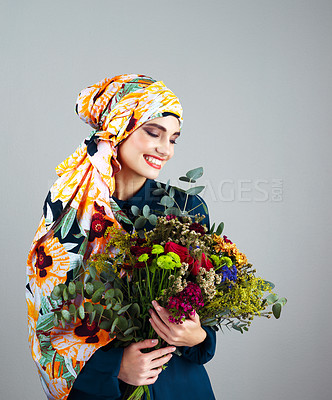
point(185, 376)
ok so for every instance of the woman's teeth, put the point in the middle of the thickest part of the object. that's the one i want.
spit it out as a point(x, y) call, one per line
point(153, 160)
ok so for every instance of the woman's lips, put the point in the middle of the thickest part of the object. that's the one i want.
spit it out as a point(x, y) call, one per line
point(152, 165)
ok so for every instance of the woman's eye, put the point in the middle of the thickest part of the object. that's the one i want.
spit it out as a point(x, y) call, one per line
point(151, 134)
point(155, 135)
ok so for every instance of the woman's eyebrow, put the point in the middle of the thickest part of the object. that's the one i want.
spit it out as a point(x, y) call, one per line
point(162, 128)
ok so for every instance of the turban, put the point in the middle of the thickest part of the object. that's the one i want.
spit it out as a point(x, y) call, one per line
point(77, 211)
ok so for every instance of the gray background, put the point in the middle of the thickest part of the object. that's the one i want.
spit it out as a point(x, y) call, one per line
point(254, 79)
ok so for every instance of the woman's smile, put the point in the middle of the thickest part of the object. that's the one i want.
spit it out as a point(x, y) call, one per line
point(153, 161)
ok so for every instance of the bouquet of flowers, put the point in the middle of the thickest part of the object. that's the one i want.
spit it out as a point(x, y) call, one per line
point(179, 263)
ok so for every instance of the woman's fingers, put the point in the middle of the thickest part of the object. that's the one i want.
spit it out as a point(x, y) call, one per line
point(158, 362)
point(145, 344)
point(155, 354)
point(161, 329)
point(162, 312)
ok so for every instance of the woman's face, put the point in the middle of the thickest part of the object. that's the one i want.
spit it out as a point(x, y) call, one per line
point(149, 147)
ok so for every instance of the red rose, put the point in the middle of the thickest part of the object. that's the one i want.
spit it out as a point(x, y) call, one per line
point(197, 228)
point(181, 251)
point(198, 264)
point(138, 250)
point(139, 265)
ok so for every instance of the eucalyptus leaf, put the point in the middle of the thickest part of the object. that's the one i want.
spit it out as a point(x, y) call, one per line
point(72, 288)
point(186, 179)
point(114, 324)
point(158, 192)
point(98, 308)
point(195, 190)
point(96, 297)
point(106, 325)
point(89, 288)
point(122, 323)
point(117, 307)
point(92, 271)
point(65, 294)
point(81, 312)
point(125, 338)
point(138, 323)
point(140, 222)
point(276, 309)
point(271, 298)
point(220, 229)
point(282, 301)
point(109, 294)
point(237, 328)
point(54, 297)
point(92, 317)
point(118, 294)
point(135, 210)
point(205, 209)
point(153, 219)
point(72, 309)
point(88, 307)
point(171, 192)
point(173, 210)
point(146, 211)
point(167, 201)
point(108, 314)
point(123, 309)
point(195, 173)
point(57, 291)
point(98, 285)
point(134, 310)
point(79, 287)
point(167, 184)
point(66, 315)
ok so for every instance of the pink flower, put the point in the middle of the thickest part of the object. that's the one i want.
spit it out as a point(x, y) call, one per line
point(170, 216)
point(185, 303)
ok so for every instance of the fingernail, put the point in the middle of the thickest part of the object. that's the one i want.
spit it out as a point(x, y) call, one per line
point(154, 341)
point(173, 348)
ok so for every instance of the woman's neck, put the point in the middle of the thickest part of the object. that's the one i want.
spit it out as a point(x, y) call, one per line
point(127, 185)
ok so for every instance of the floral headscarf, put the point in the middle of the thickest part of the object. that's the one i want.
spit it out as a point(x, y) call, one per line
point(76, 214)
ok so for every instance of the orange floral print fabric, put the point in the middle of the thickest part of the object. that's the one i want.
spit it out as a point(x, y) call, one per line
point(76, 214)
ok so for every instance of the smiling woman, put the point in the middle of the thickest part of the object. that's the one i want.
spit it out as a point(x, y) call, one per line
point(136, 122)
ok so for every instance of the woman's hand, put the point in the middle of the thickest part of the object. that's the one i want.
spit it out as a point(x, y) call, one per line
point(139, 368)
point(189, 333)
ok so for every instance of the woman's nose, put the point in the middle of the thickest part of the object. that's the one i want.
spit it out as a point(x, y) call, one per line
point(164, 148)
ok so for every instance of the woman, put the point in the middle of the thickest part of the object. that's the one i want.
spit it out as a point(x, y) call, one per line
point(137, 121)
